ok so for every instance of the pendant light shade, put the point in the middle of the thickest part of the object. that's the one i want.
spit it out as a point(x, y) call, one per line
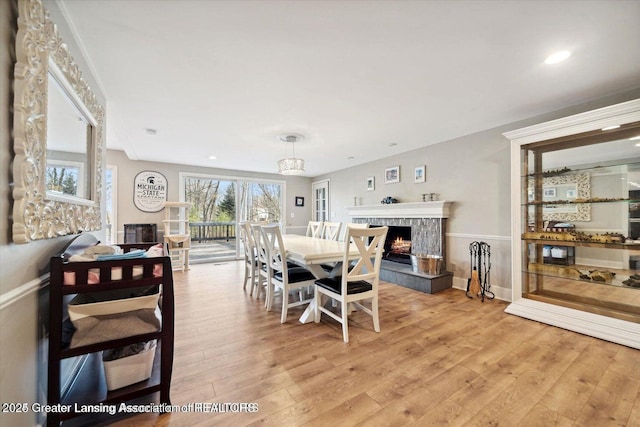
point(290, 165)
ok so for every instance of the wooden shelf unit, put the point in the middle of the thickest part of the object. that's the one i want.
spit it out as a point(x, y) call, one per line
point(177, 236)
point(89, 385)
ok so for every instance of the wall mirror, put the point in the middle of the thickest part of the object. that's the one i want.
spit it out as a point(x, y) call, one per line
point(565, 188)
point(58, 135)
point(69, 142)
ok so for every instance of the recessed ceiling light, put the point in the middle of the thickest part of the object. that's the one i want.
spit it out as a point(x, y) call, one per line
point(556, 57)
point(393, 144)
point(610, 127)
point(150, 131)
point(350, 158)
point(212, 157)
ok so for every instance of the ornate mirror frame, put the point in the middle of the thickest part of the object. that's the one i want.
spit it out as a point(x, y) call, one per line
point(35, 215)
point(568, 212)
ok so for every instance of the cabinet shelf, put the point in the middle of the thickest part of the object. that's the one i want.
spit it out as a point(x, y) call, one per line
point(628, 166)
point(105, 345)
point(90, 386)
point(579, 202)
point(572, 273)
point(550, 242)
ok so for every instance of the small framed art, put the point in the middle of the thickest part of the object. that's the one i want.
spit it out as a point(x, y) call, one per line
point(392, 175)
point(419, 174)
point(371, 183)
point(299, 201)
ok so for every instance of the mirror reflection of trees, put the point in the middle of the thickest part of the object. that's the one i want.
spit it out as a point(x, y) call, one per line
point(62, 180)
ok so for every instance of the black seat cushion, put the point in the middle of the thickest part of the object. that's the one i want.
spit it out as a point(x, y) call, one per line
point(296, 274)
point(327, 267)
point(334, 284)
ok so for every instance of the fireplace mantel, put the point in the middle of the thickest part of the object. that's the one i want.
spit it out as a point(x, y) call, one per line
point(438, 209)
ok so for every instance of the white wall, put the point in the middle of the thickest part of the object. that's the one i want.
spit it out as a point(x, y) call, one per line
point(473, 172)
point(128, 169)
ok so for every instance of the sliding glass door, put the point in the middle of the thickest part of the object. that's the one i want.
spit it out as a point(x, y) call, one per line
point(260, 201)
point(218, 205)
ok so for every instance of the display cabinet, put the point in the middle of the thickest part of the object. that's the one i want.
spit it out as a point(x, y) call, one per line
point(585, 264)
point(575, 253)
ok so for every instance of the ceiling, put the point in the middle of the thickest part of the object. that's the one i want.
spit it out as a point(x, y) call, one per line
point(361, 80)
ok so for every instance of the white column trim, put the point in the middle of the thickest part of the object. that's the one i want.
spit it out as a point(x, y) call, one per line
point(594, 325)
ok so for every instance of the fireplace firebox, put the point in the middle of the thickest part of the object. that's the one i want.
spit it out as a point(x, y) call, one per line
point(397, 246)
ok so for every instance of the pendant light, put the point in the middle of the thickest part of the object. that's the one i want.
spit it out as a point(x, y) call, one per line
point(290, 165)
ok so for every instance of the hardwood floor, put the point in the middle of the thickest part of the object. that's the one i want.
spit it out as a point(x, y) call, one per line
point(439, 359)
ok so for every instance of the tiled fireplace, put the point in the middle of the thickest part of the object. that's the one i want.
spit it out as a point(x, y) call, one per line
point(416, 228)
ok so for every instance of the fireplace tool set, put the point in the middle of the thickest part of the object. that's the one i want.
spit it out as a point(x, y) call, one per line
point(479, 284)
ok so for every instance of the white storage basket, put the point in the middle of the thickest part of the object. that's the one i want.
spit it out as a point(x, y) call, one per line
point(131, 369)
point(558, 252)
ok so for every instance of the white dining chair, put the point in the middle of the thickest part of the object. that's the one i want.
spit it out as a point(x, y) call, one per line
point(357, 282)
point(331, 230)
point(314, 229)
point(262, 273)
point(250, 257)
point(282, 277)
point(352, 225)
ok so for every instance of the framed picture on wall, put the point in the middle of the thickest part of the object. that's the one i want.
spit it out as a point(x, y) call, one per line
point(392, 175)
point(371, 183)
point(299, 201)
point(419, 174)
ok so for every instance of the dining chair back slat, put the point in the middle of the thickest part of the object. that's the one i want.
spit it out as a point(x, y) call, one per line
point(250, 257)
point(262, 261)
point(352, 225)
point(331, 230)
point(314, 229)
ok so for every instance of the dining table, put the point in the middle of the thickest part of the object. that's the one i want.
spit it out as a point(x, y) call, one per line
point(312, 253)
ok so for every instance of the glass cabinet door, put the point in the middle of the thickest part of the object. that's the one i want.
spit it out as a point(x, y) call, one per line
point(580, 242)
